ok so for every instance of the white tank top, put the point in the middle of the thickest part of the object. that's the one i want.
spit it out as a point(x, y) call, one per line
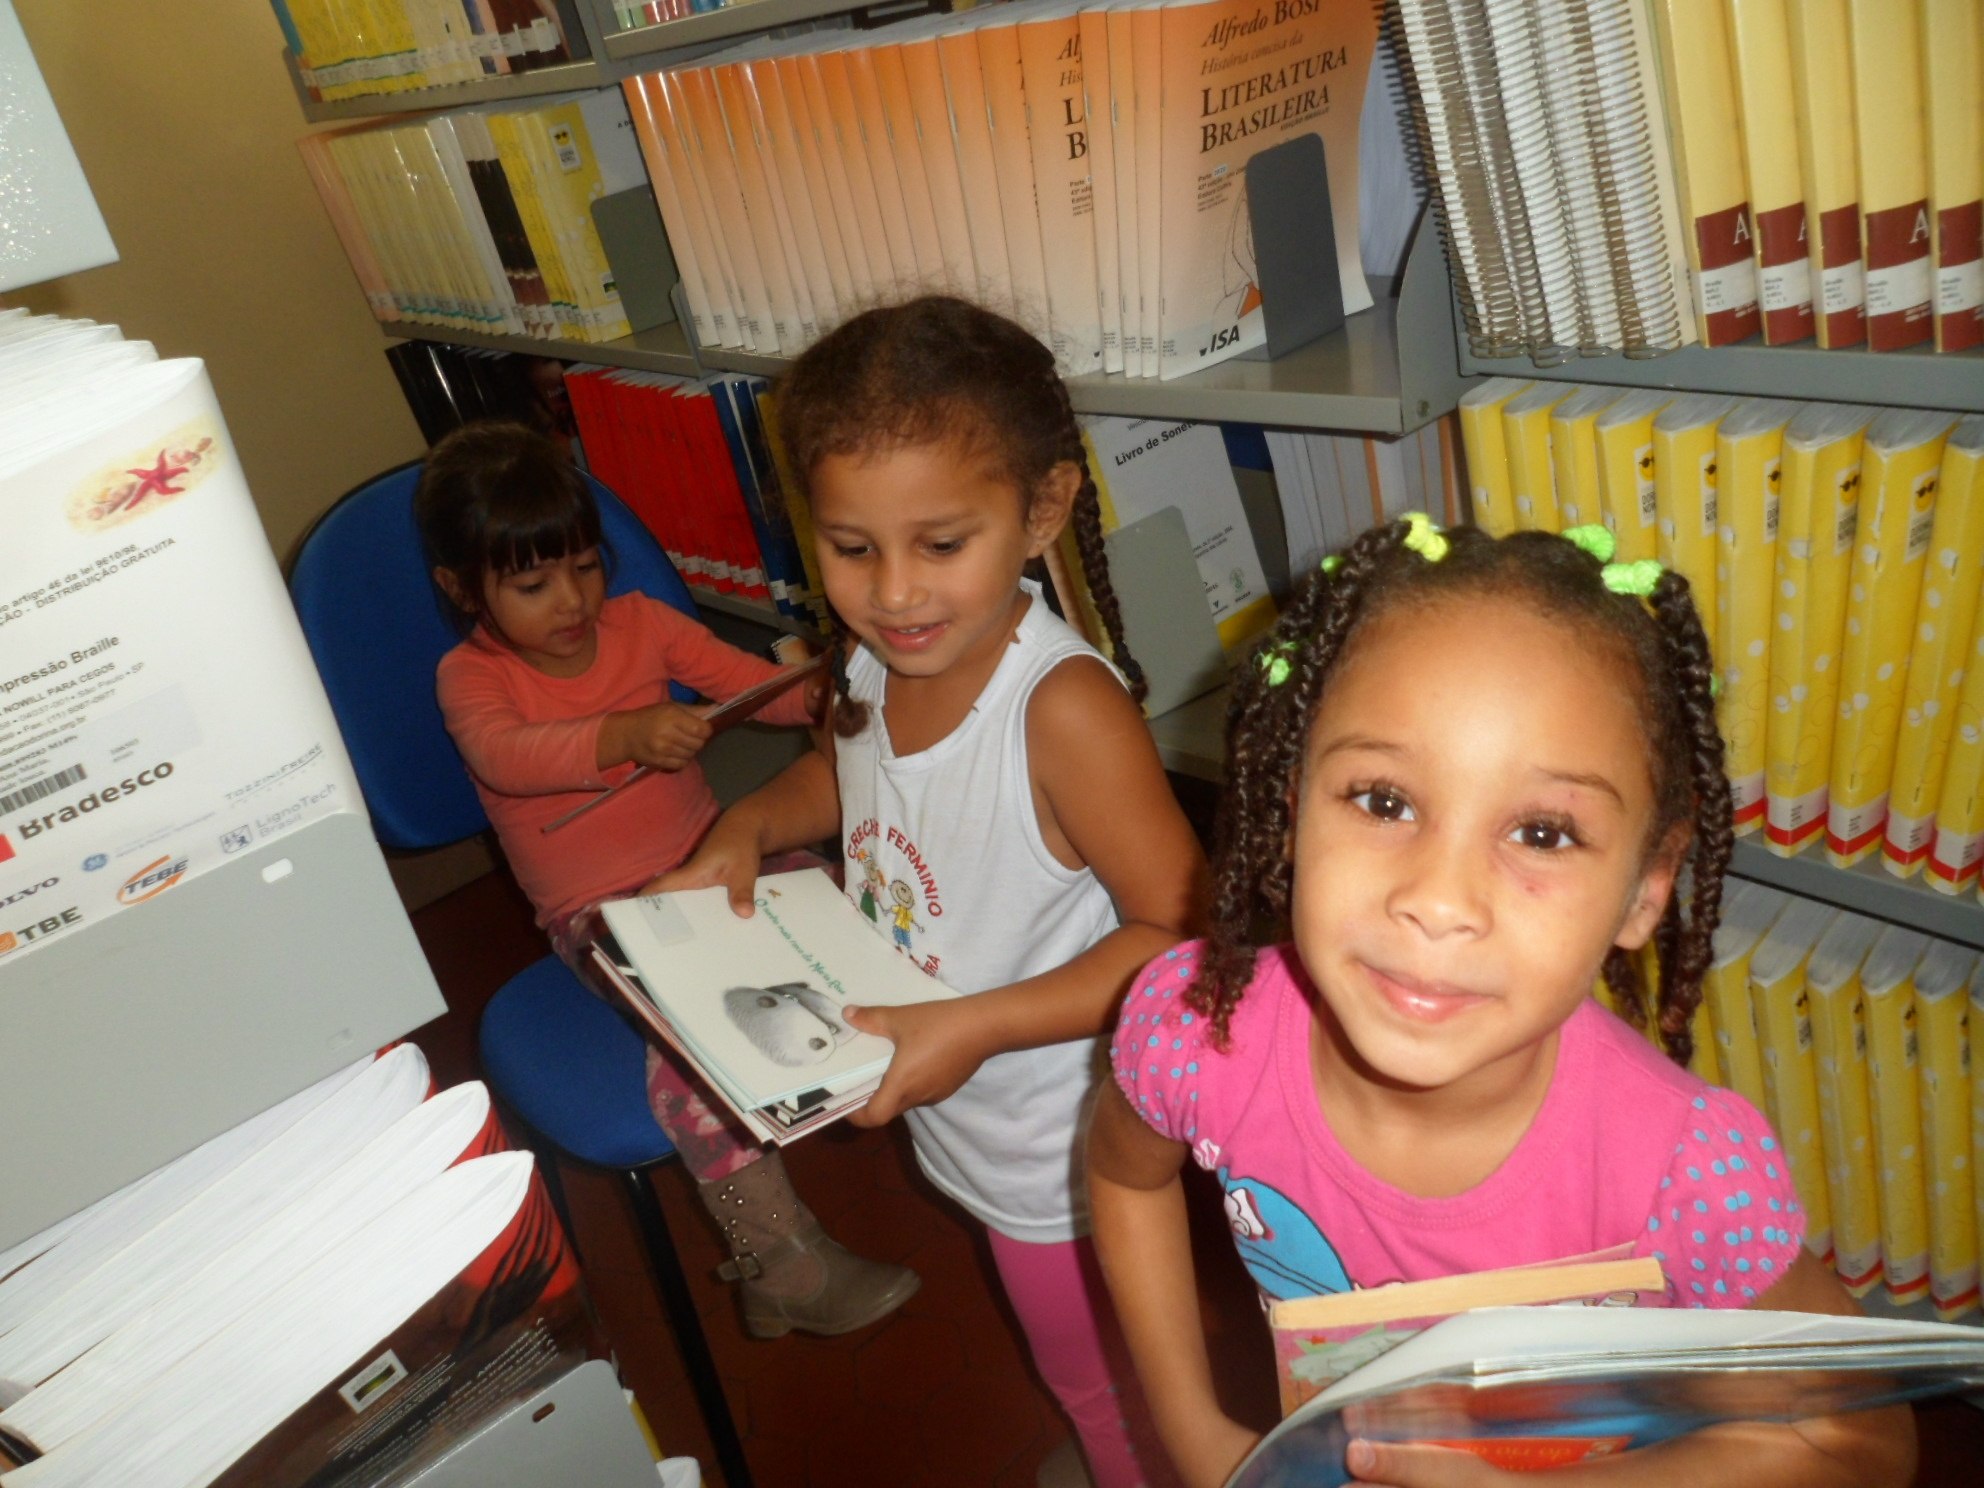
point(945, 856)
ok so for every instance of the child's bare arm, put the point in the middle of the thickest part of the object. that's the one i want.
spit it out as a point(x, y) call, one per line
point(798, 806)
point(1138, 1209)
point(1858, 1449)
point(1100, 793)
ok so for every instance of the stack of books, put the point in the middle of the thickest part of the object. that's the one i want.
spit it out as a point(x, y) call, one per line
point(1640, 175)
point(481, 220)
point(1334, 486)
point(1854, 1038)
point(392, 46)
point(699, 464)
point(1079, 168)
point(1836, 554)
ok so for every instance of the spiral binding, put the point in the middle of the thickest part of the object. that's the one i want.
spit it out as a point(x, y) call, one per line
point(1534, 131)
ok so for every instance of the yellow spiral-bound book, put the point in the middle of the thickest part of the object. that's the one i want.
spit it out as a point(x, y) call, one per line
point(1839, 1048)
point(1574, 454)
point(1749, 444)
point(1748, 912)
point(1942, 1028)
point(1888, 981)
point(1782, 1006)
point(1946, 617)
point(1626, 491)
point(1486, 449)
point(1526, 443)
point(1975, 1013)
point(1685, 487)
point(1817, 521)
point(1898, 470)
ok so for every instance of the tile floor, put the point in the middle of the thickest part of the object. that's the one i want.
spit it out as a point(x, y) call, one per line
point(942, 1393)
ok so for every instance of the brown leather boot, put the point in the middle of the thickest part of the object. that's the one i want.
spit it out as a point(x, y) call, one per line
point(794, 1276)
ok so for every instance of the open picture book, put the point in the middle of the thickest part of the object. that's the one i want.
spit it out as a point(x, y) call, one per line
point(755, 1004)
point(1537, 1387)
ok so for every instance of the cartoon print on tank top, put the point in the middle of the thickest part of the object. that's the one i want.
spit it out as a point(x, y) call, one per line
point(1284, 1251)
point(898, 891)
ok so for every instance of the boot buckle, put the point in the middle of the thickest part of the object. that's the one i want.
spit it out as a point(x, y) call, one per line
point(743, 1267)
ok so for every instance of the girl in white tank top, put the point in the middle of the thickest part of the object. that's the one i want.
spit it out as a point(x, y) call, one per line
point(1003, 817)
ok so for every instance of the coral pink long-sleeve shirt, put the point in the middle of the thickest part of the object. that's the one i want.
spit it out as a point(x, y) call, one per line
point(531, 742)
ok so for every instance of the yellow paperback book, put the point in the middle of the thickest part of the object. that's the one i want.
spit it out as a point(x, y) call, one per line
point(1888, 980)
point(1626, 490)
point(1574, 455)
point(1526, 442)
point(1760, 49)
point(1886, 40)
point(1700, 86)
point(1486, 448)
point(1846, 1123)
point(1749, 446)
point(1819, 513)
point(1829, 168)
point(1953, 88)
point(1782, 1005)
point(1237, 78)
point(1942, 1029)
point(1976, 1017)
point(1686, 484)
point(1946, 620)
point(1748, 912)
point(1959, 826)
point(1902, 455)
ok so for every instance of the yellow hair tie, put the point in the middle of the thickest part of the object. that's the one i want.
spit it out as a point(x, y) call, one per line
point(1424, 538)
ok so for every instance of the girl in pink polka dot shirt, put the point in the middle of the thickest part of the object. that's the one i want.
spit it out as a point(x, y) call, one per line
point(1464, 777)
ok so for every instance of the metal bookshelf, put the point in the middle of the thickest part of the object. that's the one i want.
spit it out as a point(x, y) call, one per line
point(755, 610)
point(663, 348)
point(1917, 378)
point(564, 77)
point(646, 42)
point(1389, 370)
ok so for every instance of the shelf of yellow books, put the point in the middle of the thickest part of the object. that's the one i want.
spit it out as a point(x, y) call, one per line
point(563, 77)
point(662, 348)
point(1389, 370)
point(1191, 740)
point(1918, 377)
point(738, 19)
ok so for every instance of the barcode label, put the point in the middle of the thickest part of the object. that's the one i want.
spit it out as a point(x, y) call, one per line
point(1708, 490)
point(1920, 526)
point(61, 780)
point(1848, 520)
point(1643, 463)
point(1771, 482)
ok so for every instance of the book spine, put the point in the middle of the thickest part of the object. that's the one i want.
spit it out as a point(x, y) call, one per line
point(1532, 481)
point(1749, 469)
point(1784, 1031)
point(1893, 1059)
point(1839, 1044)
point(1953, 84)
point(1944, 1037)
point(1895, 231)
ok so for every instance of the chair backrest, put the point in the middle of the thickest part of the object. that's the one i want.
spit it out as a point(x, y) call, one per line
point(378, 629)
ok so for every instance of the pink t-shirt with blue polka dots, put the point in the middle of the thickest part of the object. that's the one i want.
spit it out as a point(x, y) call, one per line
point(1628, 1155)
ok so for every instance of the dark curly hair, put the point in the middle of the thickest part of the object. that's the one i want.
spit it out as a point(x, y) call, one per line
point(1268, 729)
point(495, 498)
point(929, 370)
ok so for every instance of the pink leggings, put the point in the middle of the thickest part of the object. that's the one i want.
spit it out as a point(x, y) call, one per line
point(1063, 1307)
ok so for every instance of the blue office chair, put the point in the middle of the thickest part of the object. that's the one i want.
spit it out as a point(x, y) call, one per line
point(569, 1066)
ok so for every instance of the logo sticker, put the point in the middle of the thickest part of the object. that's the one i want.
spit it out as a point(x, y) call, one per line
point(152, 880)
point(147, 479)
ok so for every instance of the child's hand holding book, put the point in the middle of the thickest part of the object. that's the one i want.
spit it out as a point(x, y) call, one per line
point(665, 736)
point(939, 1046)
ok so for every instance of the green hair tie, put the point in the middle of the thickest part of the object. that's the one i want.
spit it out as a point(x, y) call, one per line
point(1424, 538)
point(1275, 664)
point(1332, 563)
point(1637, 578)
point(1595, 539)
point(1715, 684)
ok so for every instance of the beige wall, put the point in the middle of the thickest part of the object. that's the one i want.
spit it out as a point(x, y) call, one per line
point(185, 123)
